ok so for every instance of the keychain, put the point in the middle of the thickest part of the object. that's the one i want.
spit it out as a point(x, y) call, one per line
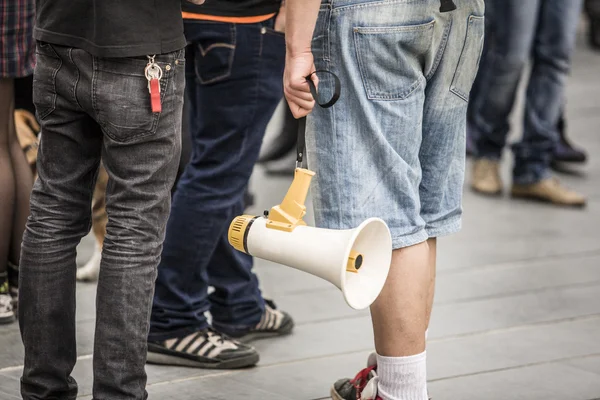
point(154, 74)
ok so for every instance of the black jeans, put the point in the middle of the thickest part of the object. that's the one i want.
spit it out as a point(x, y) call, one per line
point(91, 108)
point(234, 83)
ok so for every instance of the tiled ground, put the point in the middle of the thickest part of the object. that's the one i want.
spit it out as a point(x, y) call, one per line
point(517, 311)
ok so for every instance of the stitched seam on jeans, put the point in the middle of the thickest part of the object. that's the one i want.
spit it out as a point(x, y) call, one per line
point(256, 93)
point(338, 167)
point(94, 84)
point(260, 51)
point(403, 96)
point(441, 51)
point(327, 34)
point(54, 93)
point(450, 225)
point(232, 46)
point(330, 66)
point(108, 127)
point(453, 88)
point(457, 91)
point(373, 4)
point(374, 30)
point(359, 32)
point(76, 80)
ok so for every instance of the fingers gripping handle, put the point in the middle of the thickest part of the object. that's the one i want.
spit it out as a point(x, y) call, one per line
point(301, 146)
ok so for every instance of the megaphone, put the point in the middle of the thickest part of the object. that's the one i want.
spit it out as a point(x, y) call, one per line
point(356, 261)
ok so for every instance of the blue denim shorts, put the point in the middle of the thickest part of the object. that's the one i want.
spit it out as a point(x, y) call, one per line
point(393, 146)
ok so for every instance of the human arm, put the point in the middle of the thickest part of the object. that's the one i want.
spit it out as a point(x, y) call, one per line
point(301, 17)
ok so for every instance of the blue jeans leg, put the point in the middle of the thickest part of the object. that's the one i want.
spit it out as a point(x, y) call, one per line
point(507, 51)
point(554, 42)
point(234, 74)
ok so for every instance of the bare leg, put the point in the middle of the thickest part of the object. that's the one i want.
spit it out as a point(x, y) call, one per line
point(400, 313)
point(432, 271)
point(23, 185)
point(7, 176)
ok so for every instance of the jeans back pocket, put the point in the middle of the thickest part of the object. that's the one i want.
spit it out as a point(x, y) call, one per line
point(468, 64)
point(392, 59)
point(320, 40)
point(122, 100)
point(213, 52)
point(44, 79)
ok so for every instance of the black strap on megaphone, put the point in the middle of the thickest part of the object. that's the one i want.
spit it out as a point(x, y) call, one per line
point(301, 146)
point(447, 6)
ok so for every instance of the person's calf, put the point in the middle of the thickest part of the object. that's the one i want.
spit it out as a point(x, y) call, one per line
point(400, 320)
point(432, 243)
point(400, 312)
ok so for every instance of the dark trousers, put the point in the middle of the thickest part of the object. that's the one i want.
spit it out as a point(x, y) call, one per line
point(91, 108)
point(234, 83)
point(538, 31)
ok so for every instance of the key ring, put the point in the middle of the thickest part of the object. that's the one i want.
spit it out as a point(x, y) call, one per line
point(155, 67)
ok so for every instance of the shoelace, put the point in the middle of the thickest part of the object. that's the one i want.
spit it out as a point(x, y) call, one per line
point(271, 304)
point(221, 337)
point(360, 381)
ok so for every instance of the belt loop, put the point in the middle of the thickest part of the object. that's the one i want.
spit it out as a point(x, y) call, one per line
point(447, 6)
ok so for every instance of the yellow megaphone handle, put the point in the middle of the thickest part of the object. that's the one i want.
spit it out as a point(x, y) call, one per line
point(288, 215)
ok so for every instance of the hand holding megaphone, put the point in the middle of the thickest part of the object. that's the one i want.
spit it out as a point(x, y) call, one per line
point(356, 261)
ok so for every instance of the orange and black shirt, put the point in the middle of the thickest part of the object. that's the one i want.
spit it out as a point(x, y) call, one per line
point(233, 11)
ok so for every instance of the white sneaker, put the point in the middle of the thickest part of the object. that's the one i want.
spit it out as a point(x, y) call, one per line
point(7, 314)
point(91, 270)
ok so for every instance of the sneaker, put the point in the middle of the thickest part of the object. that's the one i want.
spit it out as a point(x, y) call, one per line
point(362, 387)
point(204, 349)
point(272, 323)
point(549, 190)
point(486, 177)
point(91, 270)
point(7, 314)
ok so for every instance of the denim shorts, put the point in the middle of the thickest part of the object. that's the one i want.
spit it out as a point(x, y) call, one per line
point(393, 146)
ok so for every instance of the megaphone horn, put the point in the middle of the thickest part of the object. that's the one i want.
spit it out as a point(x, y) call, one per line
point(356, 261)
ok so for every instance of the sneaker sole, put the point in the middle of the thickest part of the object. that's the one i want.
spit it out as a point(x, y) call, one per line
point(237, 363)
point(334, 394)
point(487, 193)
point(7, 318)
point(283, 330)
point(544, 200)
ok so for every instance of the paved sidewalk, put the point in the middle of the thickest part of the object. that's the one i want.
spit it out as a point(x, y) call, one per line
point(517, 312)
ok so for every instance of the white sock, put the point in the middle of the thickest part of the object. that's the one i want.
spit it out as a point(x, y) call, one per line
point(402, 378)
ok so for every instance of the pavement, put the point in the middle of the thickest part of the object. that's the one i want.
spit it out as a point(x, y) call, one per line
point(517, 311)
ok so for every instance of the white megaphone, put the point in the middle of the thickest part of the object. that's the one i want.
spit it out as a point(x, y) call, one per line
point(356, 261)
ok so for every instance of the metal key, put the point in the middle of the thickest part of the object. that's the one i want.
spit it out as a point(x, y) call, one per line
point(153, 71)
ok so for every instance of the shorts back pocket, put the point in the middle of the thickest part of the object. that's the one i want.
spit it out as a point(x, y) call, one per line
point(392, 58)
point(468, 64)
